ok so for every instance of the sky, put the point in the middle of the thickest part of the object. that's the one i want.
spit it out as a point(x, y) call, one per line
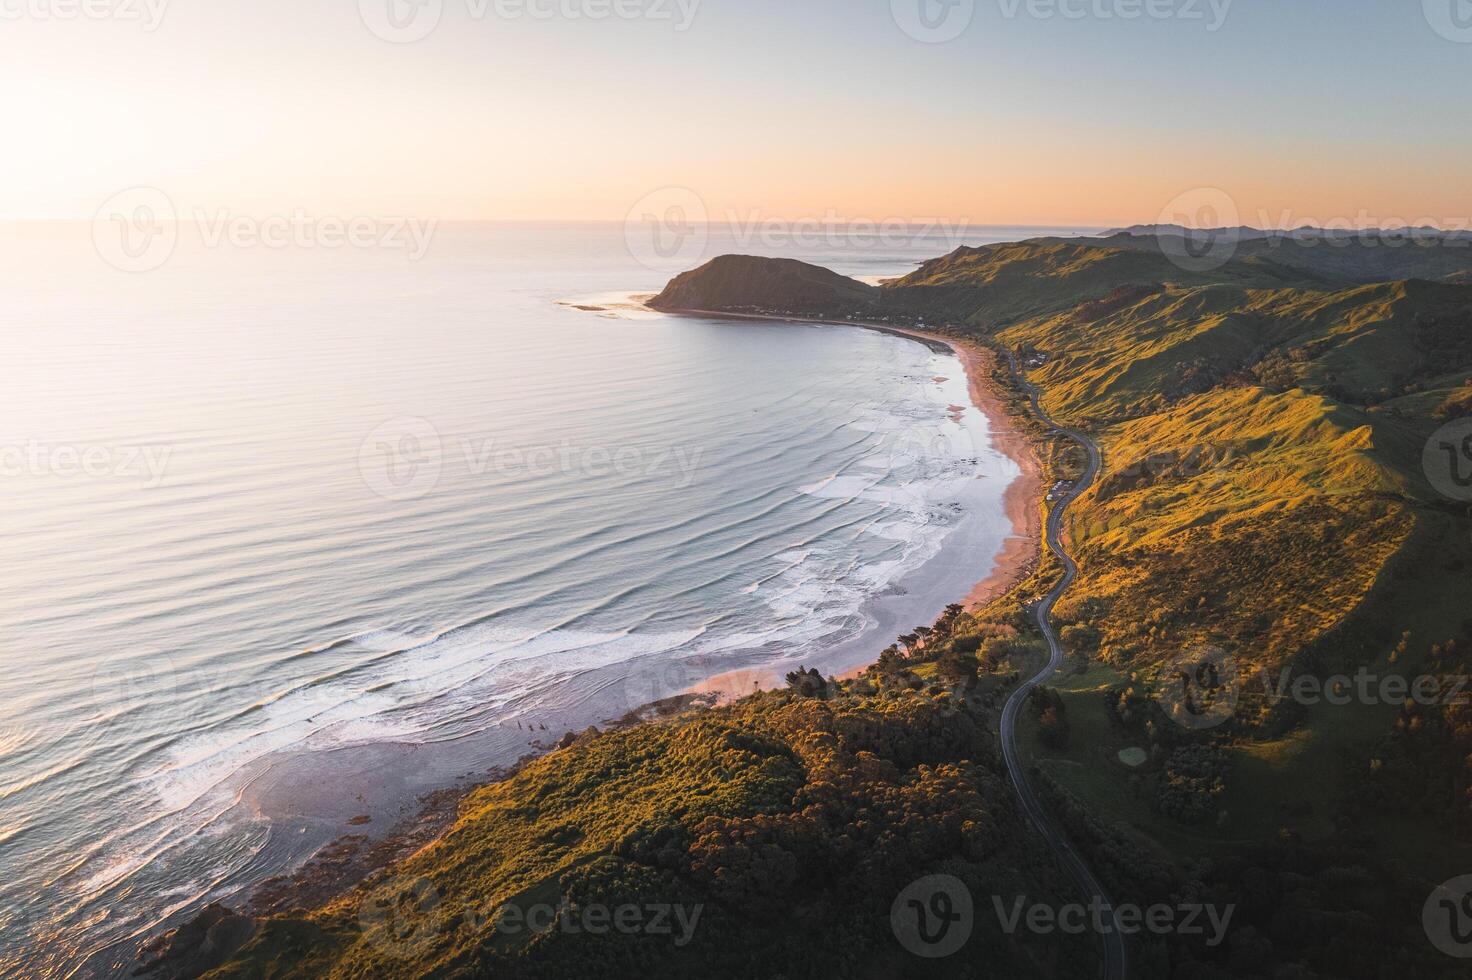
point(1012, 112)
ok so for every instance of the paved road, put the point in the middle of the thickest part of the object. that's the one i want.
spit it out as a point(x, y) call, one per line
point(1115, 964)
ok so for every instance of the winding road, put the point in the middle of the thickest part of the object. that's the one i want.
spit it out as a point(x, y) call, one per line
point(1115, 964)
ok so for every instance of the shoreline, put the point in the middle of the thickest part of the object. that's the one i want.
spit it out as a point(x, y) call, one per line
point(1020, 551)
point(1020, 500)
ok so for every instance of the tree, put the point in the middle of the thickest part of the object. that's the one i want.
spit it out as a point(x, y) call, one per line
point(1052, 717)
point(808, 683)
point(945, 627)
point(1053, 727)
point(890, 661)
point(959, 670)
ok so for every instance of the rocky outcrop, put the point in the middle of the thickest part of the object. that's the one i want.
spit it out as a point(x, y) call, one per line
point(198, 946)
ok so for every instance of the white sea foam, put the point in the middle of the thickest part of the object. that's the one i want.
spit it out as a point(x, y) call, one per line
point(400, 699)
point(265, 542)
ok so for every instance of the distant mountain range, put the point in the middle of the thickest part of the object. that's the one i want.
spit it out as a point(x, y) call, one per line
point(1305, 232)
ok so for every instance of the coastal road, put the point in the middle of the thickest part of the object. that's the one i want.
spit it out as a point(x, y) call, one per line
point(1115, 965)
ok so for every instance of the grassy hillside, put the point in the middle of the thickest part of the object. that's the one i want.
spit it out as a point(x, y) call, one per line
point(787, 825)
point(1262, 455)
point(1264, 497)
point(995, 285)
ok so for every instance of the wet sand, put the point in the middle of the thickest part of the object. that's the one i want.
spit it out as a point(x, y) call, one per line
point(1020, 551)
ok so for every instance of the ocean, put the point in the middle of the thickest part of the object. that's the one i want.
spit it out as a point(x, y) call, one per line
point(293, 534)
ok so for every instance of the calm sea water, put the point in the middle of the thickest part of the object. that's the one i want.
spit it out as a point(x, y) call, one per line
point(291, 535)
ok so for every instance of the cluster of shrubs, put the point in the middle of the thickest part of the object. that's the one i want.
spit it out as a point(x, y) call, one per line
point(1189, 768)
point(954, 654)
point(1191, 783)
point(1424, 764)
point(1052, 718)
point(1335, 907)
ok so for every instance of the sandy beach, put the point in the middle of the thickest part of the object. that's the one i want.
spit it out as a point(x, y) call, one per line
point(1019, 551)
point(1024, 493)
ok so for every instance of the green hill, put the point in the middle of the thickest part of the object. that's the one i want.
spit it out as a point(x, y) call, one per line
point(998, 284)
point(744, 283)
point(785, 827)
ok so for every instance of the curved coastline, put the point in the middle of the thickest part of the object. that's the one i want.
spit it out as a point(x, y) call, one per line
point(1019, 551)
point(338, 866)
